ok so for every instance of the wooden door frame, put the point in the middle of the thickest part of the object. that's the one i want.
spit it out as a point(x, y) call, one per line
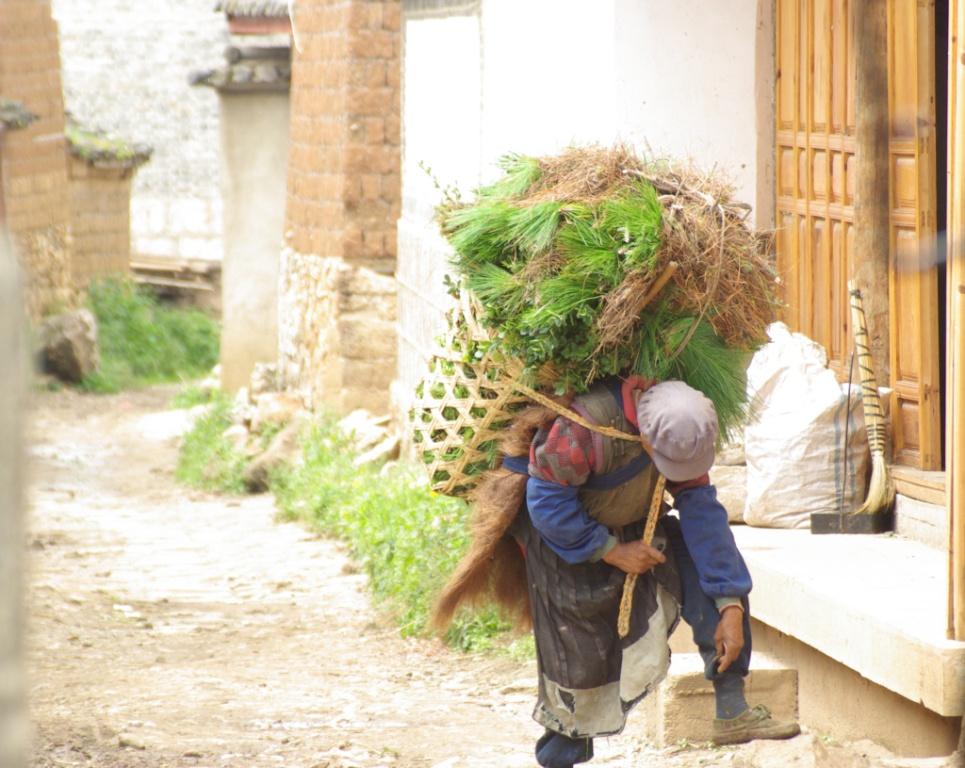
point(955, 338)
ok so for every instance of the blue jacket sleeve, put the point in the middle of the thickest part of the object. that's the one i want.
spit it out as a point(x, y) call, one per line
point(562, 522)
point(707, 534)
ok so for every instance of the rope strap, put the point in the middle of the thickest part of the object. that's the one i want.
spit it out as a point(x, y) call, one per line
point(572, 415)
point(630, 583)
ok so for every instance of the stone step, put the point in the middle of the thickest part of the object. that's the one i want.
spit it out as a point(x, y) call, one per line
point(682, 708)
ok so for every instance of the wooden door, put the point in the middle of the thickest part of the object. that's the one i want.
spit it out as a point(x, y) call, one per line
point(815, 198)
point(914, 306)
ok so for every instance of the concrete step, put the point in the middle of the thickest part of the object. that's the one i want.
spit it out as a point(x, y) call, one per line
point(877, 604)
point(682, 708)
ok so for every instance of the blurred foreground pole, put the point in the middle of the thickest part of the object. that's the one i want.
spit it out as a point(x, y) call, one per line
point(13, 719)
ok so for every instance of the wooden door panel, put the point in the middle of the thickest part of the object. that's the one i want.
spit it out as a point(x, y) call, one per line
point(815, 159)
point(815, 183)
point(914, 316)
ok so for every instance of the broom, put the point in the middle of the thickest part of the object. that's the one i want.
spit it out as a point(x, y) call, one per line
point(881, 491)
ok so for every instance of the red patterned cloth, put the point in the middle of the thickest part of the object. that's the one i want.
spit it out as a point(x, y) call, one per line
point(562, 454)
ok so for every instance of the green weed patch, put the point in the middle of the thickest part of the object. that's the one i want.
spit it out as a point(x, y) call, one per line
point(207, 460)
point(144, 342)
point(407, 537)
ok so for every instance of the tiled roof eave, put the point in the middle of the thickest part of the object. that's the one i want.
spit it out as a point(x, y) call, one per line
point(266, 9)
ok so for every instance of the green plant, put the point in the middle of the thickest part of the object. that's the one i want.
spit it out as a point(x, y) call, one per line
point(269, 432)
point(191, 395)
point(144, 342)
point(407, 537)
point(207, 460)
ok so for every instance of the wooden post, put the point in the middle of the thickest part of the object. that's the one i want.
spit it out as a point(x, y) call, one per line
point(872, 250)
point(13, 724)
point(955, 370)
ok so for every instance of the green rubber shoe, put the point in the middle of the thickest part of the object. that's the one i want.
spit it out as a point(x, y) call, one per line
point(754, 723)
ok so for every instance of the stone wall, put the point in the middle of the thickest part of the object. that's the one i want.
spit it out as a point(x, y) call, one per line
point(33, 160)
point(100, 201)
point(337, 305)
point(127, 65)
point(337, 332)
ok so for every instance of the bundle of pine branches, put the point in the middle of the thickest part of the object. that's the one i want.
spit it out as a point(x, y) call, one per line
point(599, 263)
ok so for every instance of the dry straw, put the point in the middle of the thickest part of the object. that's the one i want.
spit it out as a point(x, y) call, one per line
point(709, 285)
point(724, 267)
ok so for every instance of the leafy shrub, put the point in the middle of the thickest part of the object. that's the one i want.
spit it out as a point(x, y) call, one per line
point(144, 342)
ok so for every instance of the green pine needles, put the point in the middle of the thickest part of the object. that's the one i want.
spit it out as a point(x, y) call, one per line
point(561, 253)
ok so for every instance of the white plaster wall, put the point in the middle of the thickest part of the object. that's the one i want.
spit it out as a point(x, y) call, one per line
point(254, 129)
point(686, 80)
point(126, 65)
point(441, 119)
point(548, 75)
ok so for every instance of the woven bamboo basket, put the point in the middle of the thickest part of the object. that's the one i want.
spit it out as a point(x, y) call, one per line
point(467, 398)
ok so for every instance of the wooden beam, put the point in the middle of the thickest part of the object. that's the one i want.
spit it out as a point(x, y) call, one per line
point(259, 25)
point(872, 249)
point(955, 369)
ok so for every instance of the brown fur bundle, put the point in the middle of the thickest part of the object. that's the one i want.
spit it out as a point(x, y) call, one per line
point(494, 569)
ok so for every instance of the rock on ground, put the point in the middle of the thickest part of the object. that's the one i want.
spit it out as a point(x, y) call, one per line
point(68, 344)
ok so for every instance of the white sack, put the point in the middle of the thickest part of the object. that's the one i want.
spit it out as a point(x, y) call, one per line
point(794, 438)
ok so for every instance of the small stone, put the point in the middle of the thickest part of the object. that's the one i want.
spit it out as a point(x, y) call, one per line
point(364, 429)
point(275, 408)
point(68, 344)
point(284, 449)
point(519, 686)
point(386, 450)
point(241, 408)
point(264, 379)
point(129, 742)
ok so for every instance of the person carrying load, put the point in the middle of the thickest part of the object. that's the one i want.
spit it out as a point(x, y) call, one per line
point(587, 497)
point(607, 309)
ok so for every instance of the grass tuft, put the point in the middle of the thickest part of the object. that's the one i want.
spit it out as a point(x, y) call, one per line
point(191, 395)
point(207, 460)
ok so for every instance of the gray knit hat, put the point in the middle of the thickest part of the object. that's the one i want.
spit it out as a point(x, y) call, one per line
point(680, 424)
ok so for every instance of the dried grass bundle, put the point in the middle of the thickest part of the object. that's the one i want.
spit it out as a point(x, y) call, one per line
point(724, 269)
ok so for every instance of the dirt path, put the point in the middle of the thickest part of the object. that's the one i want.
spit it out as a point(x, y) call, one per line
point(174, 628)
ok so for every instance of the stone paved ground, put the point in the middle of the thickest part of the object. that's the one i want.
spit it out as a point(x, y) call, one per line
point(175, 628)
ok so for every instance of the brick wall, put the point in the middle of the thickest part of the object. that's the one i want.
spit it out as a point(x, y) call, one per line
point(100, 201)
point(343, 183)
point(33, 160)
point(337, 308)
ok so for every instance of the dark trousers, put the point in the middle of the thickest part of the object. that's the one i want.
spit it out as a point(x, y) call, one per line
point(700, 611)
